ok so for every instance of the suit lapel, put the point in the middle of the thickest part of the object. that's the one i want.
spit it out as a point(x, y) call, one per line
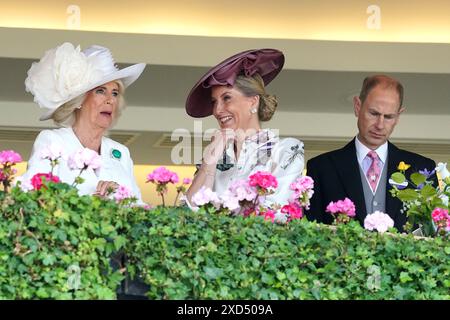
point(394, 158)
point(347, 167)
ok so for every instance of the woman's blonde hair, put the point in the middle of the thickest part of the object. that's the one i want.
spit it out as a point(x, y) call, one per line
point(64, 116)
point(254, 86)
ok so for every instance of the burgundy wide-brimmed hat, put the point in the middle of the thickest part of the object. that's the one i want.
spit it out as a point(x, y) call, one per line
point(266, 62)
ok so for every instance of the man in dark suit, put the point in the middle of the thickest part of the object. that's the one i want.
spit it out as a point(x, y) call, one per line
point(361, 170)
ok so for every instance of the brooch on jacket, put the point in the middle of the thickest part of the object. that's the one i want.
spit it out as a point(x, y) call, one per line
point(116, 154)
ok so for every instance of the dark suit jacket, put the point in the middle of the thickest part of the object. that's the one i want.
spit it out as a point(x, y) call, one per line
point(336, 176)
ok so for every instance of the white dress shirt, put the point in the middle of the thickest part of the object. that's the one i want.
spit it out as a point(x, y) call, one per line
point(112, 169)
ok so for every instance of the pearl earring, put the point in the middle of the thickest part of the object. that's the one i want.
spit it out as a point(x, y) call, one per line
point(253, 110)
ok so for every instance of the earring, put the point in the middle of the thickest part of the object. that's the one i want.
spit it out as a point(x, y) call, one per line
point(79, 107)
point(253, 110)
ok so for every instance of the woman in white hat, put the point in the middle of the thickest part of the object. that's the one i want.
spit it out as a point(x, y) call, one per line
point(82, 92)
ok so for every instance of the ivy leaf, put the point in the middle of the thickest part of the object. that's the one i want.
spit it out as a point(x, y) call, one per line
point(404, 277)
point(213, 273)
point(49, 259)
point(119, 242)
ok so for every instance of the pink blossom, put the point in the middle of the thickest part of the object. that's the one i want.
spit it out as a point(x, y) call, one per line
point(379, 221)
point(249, 211)
point(440, 214)
point(25, 185)
point(441, 218)
point(230, 201)
point(302, 184)
point(122, 193)
point(242, 190)
point(345, 206)
point(52, 152)
point(263, 180)
point(163, 176)
point(303, 191)
point(187, 181)
point(9, 157)
point(269, 215)
point(37, 179)
point(293, 210)
point(83, 159)
point(205, 196)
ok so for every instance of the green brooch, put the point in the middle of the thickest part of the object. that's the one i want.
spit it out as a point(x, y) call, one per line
point(116, 154)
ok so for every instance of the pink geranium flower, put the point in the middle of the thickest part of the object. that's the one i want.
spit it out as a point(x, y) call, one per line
point(52, 152)
point(187, 181)
point(122, 193)
point(83, 159)
point(204, 197)
point(343, 210)
point(263, 180)
point(9, 157)
point(379, 221)
point(293, 210)
point(268, 215)
point(38, 180)
point(242, 190)
point(440, 214)
point(303, 191)
point(162, 175)
point(441, 218)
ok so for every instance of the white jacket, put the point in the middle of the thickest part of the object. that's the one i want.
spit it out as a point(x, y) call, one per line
point(112, 168)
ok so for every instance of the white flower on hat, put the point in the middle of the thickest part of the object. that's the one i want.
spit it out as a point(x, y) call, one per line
point(62, 74)
point(66, 72)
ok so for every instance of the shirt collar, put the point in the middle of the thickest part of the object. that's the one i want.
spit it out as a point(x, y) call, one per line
point(362, 150)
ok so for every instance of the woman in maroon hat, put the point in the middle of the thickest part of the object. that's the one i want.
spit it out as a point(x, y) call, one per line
point(234, 93)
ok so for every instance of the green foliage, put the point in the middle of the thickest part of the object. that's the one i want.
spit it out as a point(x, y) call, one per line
point(187, 255)
point(58, 245)
point(55, 244)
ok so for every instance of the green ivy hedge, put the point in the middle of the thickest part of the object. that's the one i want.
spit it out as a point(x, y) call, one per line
point(56, 244)
point(187, 255)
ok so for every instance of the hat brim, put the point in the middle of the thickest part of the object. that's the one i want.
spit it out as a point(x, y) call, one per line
point(128, 75)
point(198, 102)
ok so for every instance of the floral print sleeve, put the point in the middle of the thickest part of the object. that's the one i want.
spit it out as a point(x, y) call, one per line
point(287, 165)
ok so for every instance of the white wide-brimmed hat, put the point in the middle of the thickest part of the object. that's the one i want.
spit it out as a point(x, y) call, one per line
point(66, 72)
